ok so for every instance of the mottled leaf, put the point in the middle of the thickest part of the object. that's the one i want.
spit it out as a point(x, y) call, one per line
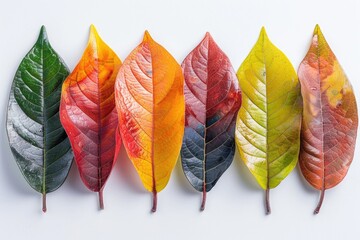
point(212, 99)
point(150, 103)
point(88, 113)
point(268, 124)
point(38, 142)
point(330, 118)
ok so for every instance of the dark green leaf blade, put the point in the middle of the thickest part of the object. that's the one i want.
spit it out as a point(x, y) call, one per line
point(37, 140)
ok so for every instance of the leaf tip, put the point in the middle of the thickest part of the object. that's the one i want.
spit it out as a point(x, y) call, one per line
point(147, 36)
point(263, 34)
point(318, 36)
point(263, 37)
point(93, 31)
point(43, 28)
point(208, 37)
point(94, 35)
point(317, 29)
point(43, 34)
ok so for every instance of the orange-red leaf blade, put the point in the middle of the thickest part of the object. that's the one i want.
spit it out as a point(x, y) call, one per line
point(88, 112)
point(330, 118)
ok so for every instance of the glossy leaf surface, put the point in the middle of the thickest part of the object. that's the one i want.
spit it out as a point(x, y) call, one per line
point(151, 108)
point(88, 113)
point(330, 117)
point(38, 142)
point(268, 124)
point(212, 99)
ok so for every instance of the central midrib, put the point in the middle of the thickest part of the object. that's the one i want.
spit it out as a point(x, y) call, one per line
point(206, 97)
point(152, 123)
point(266, 110)
point(99, 117)
point(44, 127)
point(321, 114)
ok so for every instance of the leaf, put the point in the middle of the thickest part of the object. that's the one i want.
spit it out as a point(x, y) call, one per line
point(213, 98)
point(330, 118)
point(268, 123)
point(150, 103)
point(37, 140)
point(88, 113)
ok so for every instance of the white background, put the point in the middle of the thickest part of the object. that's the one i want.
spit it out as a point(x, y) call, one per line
point(235, 207)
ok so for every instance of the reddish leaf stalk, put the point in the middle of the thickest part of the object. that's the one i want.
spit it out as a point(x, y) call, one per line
point(44, 202)
point(203, 200)
point(322, 194)
point(267, 201)
point(153, 209)
point(101, 199)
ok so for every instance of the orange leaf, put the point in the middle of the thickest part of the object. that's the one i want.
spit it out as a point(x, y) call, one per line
point(150, 103)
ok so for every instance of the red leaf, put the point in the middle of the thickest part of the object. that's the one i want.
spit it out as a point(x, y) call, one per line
point(330, 118)
point(88, 113)
point(212, 98)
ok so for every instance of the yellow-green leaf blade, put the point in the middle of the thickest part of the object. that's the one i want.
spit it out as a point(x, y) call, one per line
point(268, 123)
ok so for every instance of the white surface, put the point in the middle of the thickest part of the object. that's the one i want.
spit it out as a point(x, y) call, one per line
point(234, 208)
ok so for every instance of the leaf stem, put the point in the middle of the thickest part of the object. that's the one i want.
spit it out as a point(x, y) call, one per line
point(203, 200)
point(44, 202)
point(101, 199)
point(267, 201)
point(153, 209)
point(322, 194)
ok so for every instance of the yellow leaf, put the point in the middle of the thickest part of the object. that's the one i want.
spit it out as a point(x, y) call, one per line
point(268, 124)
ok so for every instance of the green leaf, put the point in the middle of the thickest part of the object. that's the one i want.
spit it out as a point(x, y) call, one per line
point(37, 140)
point(268, 123)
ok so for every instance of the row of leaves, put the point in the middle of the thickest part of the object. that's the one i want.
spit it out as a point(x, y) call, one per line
point(158, 109)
